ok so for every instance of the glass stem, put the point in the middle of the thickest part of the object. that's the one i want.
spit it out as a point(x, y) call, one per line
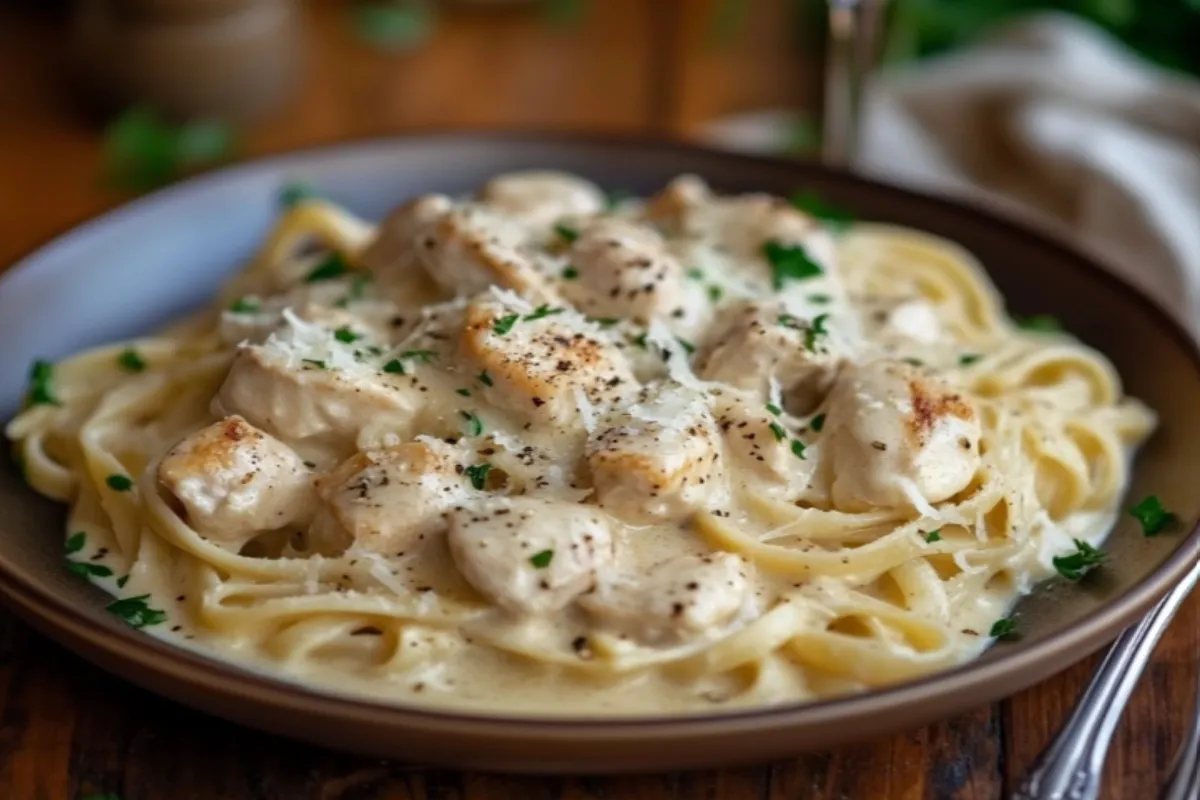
point(854, 32)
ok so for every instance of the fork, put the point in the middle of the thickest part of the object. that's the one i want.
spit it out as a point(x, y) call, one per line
point(1071, 767)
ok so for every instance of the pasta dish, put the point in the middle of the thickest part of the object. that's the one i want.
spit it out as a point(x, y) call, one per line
point(544, 450)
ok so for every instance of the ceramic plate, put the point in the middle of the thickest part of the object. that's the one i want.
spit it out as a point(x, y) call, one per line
point(130, 270)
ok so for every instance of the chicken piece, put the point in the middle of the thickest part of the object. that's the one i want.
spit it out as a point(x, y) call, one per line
point(529, 555)
point(394, 248)
point(387, 501)
point(761, 442)
point(315, 391)
point(235, 482)
point(683, 598)
point(625, 270)
point(898, 438)
point(755, 342)
point(658, 459)
point(470, 248)
point(545, 364)
point(540, 198)
point(671, 206)
point(898, 320)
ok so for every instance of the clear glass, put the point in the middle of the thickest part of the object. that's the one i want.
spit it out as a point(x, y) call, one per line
point(855, 32)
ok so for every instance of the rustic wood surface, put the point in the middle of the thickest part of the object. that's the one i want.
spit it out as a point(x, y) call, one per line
point(69, 731)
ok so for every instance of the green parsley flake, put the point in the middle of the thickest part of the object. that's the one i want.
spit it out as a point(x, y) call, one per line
point(333, 266)
point(570, 274)
point(568, 233)
point(136, 612)
point(606, 322)
point(640, 341)
point(695, 274)
point(357, 291)
point(424, 356)
point(813, 204)
point(314, 362)
point(296, 192)
point(687, 346)
point(119, 483)
point(478, 474)
point(715, 293)
point(121, 581)
point(798, 448)
point(245, 305)
point(967, 359)
point(789, 263)
point(474, 424)
point(463, 392)
point(541, 312)
point(75, 542)
point(1085, 559)
point(486, 379)
point(780, 433)
point(87, 569)
point(344, 334)
point(817, 422)
point(542, 560)
point(1004, 628)
point(41, 388)
point(916, 362)
point(774, 409)
point(820, 299)
point(1153, 516)
point(614, 199)
point(505, 324)
point(932, 536)
point(395, 367)
point(815, 330)
point(1039, 323)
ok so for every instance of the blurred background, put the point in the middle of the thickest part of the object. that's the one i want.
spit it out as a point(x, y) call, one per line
point(103, 99)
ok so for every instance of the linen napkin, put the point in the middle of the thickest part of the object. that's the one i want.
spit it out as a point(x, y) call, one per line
point(1054, 115)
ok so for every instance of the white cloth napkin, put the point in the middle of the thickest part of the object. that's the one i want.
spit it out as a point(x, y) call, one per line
point(1054, 114)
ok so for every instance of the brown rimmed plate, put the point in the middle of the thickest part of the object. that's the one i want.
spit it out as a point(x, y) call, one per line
point(134, 268)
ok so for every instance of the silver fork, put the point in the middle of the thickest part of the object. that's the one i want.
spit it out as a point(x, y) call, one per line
point(1071, 767)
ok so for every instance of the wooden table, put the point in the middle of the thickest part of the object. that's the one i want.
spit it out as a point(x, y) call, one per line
point(68, 730)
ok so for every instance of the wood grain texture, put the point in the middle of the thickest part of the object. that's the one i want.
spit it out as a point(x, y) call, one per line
point(68, 730)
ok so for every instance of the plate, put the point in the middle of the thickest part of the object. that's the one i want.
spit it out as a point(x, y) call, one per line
point(130, 270)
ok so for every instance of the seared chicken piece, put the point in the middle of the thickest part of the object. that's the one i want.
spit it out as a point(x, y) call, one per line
point(394, 248)
point(759, 441)
point(235, 482)
point(388, 501)
point(670, 208)
point(625, 270)
point(315, 391)
point(658, 459)
point(470, 248)
point(754, 342)
point(683, 598)
point(545, 364)
point(529, 555)
point(893, 431)
point(540, 198)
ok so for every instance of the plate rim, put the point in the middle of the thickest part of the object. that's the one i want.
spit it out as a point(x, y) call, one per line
point(231, 680)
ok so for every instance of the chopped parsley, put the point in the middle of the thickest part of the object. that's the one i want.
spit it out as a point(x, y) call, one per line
point(131, 361)
point(75, 542)
point(394, 367)
point(463, 392)
point(474, 424)
point(789, 263)
point(817, 422)
point(486, 379)
point(774, 409)
point(916, 362)
point(967, 359)
point(332, 266)
point(568, 233)
point(606, 322)
point(780, 433)
point(86, 569)
point(41, 388)
point(424, 356)
point(570, 274)
point(344, 334)
point(505, 324)
point(1039, 323)
point(314, 362)
point(296, 192)
point(244, 305)
point(695, 274)
point(478, 474)
point(542, 560)
point(613, 199)
point(119, 483)
point(812, 203)
point(687, 346)
point(798, 449)
point(1085, 559)
point(1153, 516)
point(1004, 628)
point(932, 536)
point(541, 312)
point(136, 612)
point(640, 341)
point(815, 330)
point(820, 299)
point(357, 291)
point(121, 581)
point(715, 293)
point(790, 321)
